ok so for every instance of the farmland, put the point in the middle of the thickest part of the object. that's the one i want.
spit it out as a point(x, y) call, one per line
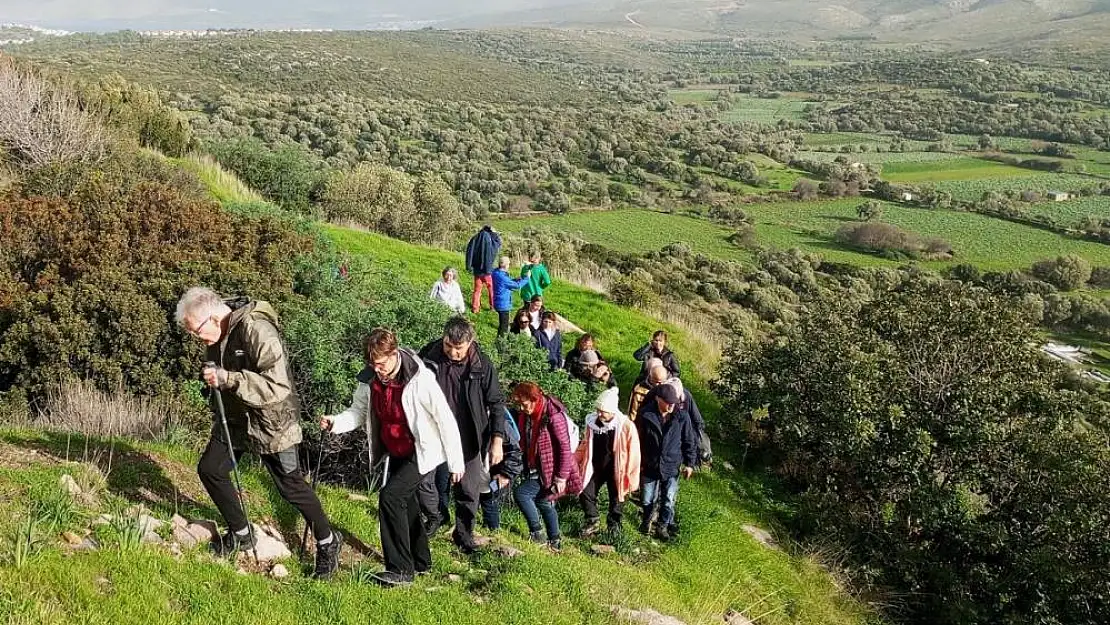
point(952, 169)
point(973, 189)
point(1073, 211)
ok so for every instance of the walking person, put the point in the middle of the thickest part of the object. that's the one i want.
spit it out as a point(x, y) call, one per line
point(481, 258)
point(550, 339)
point(447, 291)
point(253, 376)
point(539, 279)
point(503, 287)
point(469, 382)
point(667, 442)
point(641, 389)
point(534, 308)
point(522, 324)
point(549, 468)
point(409, 422)
point(585, 343)
point(657, 348)
point(502, 476)
point(659, 375)
point(608, 456)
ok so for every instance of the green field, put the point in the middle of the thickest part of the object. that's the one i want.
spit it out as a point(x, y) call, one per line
point(764, 110)
point(637, 231)
point(987, 242)
point(1073, 211)
point(1033, 181)
point(952, 169)
point(881, 158)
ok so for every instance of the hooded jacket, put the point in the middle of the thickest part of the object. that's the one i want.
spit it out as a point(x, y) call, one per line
point(664, 446)
point(259, 397)
point(538, 280)
point(626, 453)
point(553, 346)
point(482, 251)
point(484, 399)
point(554, 456)
point(503, 287)
point(433, 426)
point(647, 352)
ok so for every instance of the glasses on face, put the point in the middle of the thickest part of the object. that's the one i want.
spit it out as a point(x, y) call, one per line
point(197, 330)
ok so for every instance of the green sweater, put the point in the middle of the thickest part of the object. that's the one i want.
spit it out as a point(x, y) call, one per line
point(540, 280)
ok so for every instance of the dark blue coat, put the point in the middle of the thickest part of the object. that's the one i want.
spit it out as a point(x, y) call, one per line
point(554, 347)
point(482, 251)
point(503, 287)
point(665, 446)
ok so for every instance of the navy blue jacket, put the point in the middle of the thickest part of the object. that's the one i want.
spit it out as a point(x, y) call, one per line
point(665, 446)
point(705, 447)
point(554, 347)
point(482, 251)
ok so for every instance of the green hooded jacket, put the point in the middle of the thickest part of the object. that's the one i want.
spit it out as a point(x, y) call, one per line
point(539, 281)
point(259, 397)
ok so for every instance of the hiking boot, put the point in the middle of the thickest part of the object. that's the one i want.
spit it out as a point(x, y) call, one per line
point(466, 546)
point(231, 543)
point(662, 534)
point(538, 537)
point(431, 526)
point(593, 526)
point(327, 557)
point(555, 544)
point(645, 527)
point(392, 579)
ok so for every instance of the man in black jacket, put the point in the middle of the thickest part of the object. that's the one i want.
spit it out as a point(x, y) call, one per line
point(667, 442)
point(659, 376)
point(469, 381)
point(657, 348)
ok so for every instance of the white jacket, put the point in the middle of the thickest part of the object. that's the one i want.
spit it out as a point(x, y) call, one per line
point(449, 295)
point(430, 420)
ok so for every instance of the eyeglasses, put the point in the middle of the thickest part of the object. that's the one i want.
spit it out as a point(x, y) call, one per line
point(197, 330)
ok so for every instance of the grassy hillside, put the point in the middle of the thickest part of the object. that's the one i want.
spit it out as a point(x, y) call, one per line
point(714, 567)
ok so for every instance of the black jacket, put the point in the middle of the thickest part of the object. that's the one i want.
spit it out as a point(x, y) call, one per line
point(705, 447)
point(570, 363)
point(513, 463)
point(665, 447)
point(646, 353)
point(483, 392)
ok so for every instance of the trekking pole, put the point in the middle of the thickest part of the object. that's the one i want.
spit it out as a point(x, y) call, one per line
point(315, 474)
point(234, 464)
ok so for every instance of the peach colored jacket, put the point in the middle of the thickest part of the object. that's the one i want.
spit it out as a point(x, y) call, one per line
point(626, 455)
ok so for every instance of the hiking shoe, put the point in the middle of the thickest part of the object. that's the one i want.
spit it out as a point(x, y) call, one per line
point(431, 526)
point(327, 556)
point(593, 526)
point(538, 536)
point(645, 527)
point(662, 534)
point(468, 547)
point(392, 579)
point(555, 544)
point(231, 543)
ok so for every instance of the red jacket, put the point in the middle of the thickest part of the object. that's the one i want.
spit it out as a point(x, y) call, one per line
point(555, 458)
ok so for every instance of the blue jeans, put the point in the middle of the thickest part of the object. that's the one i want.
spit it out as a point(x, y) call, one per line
point(651, 490)
point(534, 504)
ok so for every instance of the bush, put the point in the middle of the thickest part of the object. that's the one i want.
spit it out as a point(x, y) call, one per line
point(89, 281)
point(883, 237)
point(1066, 273)
point(288, 175)
point(632, 293)
point(957, 467)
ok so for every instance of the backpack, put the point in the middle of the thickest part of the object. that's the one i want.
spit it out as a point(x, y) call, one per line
point(573, 432)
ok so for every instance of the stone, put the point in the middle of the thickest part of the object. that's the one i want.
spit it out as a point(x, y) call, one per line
point(69, 485)
point(71, 538)
point(279, 571)
point(505, 551)
point(603, 550)
point(761, 536)
point(175, 550)
point(268, 547)
point(203, 532)
point(482, 541)
point(104, 519)
point(728, 466)
point(152, 538)
point(182, 537)
point(647, 616)
point(357, 497)
point(732, 617)
point(179, 521)
point(454, 578)
point(89, 544)
point(149, 524)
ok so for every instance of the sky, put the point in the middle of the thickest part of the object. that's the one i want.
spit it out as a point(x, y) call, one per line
point(112, 14)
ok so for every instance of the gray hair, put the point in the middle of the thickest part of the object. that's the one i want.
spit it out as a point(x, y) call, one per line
point(450, 270)
point(458, 330)
point(504, 262)
point(196, 302)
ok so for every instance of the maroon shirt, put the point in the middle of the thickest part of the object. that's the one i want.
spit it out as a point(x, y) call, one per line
point(394, 427)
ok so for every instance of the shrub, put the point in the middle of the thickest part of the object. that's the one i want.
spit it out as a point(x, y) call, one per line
point(922, 433)
point(888, 238)
point(632, 293)
point(81, 407)
point(870, 210)
point(1066, 273)
point(287, 175)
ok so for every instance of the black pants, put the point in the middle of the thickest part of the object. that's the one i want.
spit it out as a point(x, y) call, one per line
point(404, 543)
point(433, 492)
point(588, 498)
point(214, 470)
point(502, 322)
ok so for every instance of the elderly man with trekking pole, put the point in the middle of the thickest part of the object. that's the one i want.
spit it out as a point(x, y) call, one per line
point(251, 379)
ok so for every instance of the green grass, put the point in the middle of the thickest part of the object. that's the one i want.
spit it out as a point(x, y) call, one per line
point(1034, 181)
point(764, 110)
point(953, 169)
point(989, 243)
point(687, 96)
point(882, 158)
point(1073, 211)
point(224, 186)
point(637, 231)
point(829, 139)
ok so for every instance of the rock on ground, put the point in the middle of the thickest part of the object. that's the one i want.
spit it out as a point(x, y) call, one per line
point(69, 485)
point(505, 551)
point(601, 550)
point(761, 536)
point(279, 571)
point(269, 546)
point(735, 618)
point(647, 616)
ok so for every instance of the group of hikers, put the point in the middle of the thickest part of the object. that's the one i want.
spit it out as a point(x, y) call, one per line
point(438, 423)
